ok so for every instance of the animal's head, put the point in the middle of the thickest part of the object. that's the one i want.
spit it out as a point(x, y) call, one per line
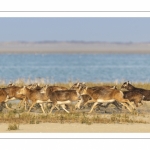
point(76, 86)
point(83, 88)
point(125, 85)
point(79, 87)
point(22, 91)
point(43, 90)
point(29, 86)
point(34, 86)
point(11, 84)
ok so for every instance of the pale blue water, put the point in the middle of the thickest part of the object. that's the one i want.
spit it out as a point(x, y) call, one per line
point(76, 67)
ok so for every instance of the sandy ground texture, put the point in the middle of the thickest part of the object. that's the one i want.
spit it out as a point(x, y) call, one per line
point(142, 127)
point(77, 128)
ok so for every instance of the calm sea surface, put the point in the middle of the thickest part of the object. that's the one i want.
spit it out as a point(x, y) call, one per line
point(75, 67)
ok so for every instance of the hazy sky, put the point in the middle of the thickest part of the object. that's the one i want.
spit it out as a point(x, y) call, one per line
point(77, 29)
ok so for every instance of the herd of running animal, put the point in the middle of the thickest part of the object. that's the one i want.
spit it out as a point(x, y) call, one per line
point(79, 95)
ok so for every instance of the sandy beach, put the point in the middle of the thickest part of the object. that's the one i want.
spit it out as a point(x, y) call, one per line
point(77, 128)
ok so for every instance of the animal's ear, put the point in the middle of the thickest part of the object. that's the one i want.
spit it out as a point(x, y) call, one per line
point(129, 82)
point(45, 86)
point(83, 84)
point(114, 87)
point(10, 82)
point(78, 84)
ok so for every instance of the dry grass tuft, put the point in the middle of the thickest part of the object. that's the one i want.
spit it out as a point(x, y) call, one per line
point(13, 126)
point(62, 117)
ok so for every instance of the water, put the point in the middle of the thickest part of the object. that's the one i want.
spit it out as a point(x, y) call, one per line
point(76, 67)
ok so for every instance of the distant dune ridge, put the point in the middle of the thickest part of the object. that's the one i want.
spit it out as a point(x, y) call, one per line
point(46, 47)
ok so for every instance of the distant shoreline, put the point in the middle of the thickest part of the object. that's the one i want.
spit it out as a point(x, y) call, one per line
point(73, 48)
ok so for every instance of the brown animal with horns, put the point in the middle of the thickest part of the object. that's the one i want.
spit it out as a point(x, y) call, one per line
point(106, 95)
point(71, 97)
point(128, 86)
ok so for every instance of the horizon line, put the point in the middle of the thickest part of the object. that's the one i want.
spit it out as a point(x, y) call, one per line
point(72, 41)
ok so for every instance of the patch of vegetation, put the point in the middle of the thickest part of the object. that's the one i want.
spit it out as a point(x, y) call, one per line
point(13, 126)
point(62, 117)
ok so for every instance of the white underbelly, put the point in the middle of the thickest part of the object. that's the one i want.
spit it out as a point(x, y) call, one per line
point(40, 101)
point(9, 99)
point(63, 102)
point(105, 101)
point(67, 102)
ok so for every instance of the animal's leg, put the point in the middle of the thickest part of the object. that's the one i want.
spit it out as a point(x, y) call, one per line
point(7, 98)
point(142, 100)
point(42, 108)
point(33, 103)
point(63, 107)
point(105, 105)
point(57, 107)
point(141, 103)
point(44, 105)
point(128, 102)
point(53, 106)
point(124, 104)
point(131, 104)
point(23, 102)
point(25, 105)
point(136, 103)
point(77, 106)
point(8, 107)
point(20, 103)
point(117, 105)
point(93, 107)
point(89, 101)
point(98, 106)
